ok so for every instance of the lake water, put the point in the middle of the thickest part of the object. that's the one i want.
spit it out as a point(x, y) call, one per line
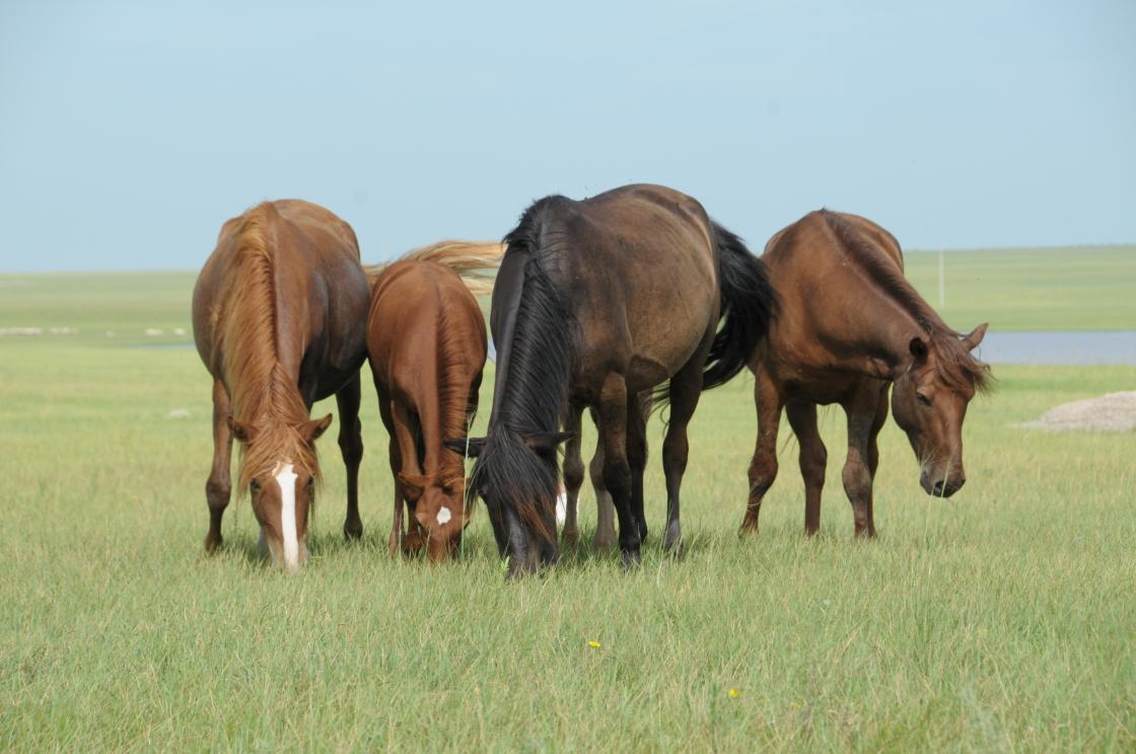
point(1059, 348)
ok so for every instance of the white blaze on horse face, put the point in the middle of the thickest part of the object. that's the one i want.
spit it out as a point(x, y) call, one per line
point(286, 479)
point(444, 515)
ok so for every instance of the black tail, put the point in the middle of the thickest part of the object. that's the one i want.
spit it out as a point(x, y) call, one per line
point(748, 305)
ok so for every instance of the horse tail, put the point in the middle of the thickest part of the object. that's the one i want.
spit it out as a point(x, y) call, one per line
point(473, 261)
point(749, 303)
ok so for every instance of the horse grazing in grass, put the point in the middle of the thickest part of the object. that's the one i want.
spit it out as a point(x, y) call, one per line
point(849, 326)
point(597, 301)
point(427, 344)
point(278, 314)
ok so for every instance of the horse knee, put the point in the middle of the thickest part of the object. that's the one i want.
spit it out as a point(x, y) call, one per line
point(617, 480)
point(573, 473)
point(217, 493)
point(813, 465)
point(351, 443)
point(857, 480)
point(676, 450)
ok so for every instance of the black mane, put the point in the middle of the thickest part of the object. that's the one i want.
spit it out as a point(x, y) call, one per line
point(537, 361)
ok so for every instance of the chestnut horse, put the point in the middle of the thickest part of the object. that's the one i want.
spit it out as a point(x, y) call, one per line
point(849, 326)
point(597, 301)
point(278, 313)
point(427, 344)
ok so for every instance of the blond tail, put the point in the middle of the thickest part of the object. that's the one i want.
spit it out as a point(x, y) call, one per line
point(475, 261)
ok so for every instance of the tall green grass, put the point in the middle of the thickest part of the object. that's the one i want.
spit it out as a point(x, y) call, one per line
point(1000, 620)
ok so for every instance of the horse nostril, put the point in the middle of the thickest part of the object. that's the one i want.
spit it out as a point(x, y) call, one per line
point(938, 488)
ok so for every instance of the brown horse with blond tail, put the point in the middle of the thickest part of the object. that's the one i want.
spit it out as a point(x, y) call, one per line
point(278, 311)
point(850, 326)
point(427, 344)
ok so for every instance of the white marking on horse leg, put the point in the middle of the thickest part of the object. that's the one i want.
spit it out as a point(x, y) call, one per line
point(444, 515)
point(286, 479)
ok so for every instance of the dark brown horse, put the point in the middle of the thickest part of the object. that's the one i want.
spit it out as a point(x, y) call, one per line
point(426, 342)
point(278, 318)
point(849, 326)
point(596, 302)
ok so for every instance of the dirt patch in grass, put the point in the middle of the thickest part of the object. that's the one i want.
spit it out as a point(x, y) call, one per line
point(1112, 412)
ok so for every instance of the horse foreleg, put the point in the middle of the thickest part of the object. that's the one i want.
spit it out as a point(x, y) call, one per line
point(394, 542)
point(573, 473)
point(862, 411)
point(605, 508)
point(218, 486)
point(763, 467)
point(813, 459)
point(874, 452)
point(409, 464)
point(617, 471)
point(351, 446)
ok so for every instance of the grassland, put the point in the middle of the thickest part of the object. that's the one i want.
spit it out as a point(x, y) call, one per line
point(1001, 620)
point(1076, 288)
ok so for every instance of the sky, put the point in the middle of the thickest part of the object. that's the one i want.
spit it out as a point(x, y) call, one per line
point(130, 131)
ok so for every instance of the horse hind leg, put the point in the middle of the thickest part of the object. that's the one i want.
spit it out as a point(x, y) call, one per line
point(813, 459)
point(605, 508)
point(351, 446)
point(763, 467)
point(218, 486)
point(685, 390)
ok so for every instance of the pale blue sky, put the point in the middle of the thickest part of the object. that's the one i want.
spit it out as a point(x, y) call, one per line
point(130, 131)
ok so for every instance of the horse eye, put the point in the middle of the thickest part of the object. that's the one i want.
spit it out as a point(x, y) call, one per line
point(254, 486)
point(311, 485)
point(922, 398)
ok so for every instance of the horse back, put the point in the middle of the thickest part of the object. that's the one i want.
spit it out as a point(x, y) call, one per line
point(424, 326)
point(638, 267)
point(306, 275)
point(830, 309)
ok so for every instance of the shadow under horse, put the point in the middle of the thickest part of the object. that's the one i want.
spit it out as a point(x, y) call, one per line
point(848, 327)
point(597, 301)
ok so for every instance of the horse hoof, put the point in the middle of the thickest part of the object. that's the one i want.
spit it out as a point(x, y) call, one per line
point(672, 543)
point(570, 538)
point(603, 541)
point(631, 560)
point(212, 544)
point(353, 530)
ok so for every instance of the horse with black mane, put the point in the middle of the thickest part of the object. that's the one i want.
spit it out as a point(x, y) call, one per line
point(426, 342)
point(278, 318)
point(850, 326)
point(597, 301)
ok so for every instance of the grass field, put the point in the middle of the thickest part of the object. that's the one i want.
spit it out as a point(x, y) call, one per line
point(1001, 620)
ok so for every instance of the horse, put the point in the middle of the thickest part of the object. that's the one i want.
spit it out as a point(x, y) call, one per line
point(426, 343)
point(850, 326)
point(278, 315)
point(597, 301)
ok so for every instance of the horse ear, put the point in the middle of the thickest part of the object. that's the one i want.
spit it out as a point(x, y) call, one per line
point(918, 348)
point(240, 431)
point(469, 447)
point(316, 427)
point(971, 341)
point(547, 441)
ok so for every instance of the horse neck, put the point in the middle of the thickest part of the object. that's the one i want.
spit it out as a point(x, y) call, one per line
point(875, 333)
